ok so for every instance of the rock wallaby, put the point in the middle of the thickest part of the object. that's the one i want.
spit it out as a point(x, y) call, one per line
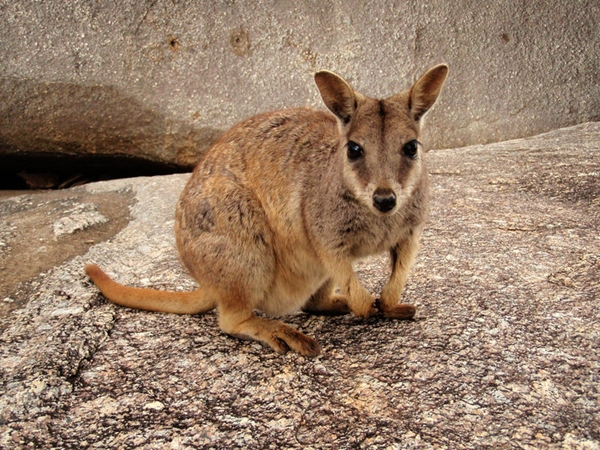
point(282, 204)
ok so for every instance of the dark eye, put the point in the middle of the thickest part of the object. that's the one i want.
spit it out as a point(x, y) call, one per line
point(355, 151)
point(411, 148)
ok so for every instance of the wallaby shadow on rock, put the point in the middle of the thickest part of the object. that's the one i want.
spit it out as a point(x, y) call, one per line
point(282, 204)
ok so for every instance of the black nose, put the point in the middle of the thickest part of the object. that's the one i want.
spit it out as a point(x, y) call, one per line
point(384, 200)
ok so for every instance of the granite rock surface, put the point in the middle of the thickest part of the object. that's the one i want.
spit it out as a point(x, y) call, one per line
point(504, 351)
point(88, 83)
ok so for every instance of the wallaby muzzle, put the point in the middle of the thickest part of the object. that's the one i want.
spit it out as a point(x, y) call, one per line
point(384, 199)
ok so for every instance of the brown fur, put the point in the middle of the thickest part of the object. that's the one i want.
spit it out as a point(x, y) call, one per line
point(276, 213)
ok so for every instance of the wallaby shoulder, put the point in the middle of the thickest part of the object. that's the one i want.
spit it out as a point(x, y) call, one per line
point(283, 138)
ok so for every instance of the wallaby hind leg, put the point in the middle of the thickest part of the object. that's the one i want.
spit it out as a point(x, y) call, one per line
point(238, 320)
point(326, 302)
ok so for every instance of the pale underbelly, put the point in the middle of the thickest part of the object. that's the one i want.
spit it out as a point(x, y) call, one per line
point(294, 283)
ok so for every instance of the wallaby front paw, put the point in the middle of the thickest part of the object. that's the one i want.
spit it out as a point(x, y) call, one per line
point(330, 306)
point(365, 308)
point(399, 311)
point(338, 305)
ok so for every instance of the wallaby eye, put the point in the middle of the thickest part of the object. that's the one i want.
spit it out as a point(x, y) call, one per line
point(411, 148)
point(355, 151)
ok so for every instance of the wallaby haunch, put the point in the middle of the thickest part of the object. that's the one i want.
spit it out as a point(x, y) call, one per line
point(283, 203)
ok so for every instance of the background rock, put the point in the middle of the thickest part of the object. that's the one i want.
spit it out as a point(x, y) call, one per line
point(503, 353)
point(157, 81)
point(39, 231)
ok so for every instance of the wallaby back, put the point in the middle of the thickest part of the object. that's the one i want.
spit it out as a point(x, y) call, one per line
point(283, 203)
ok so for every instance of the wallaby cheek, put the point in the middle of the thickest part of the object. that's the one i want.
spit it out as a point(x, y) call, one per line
point(408, 180)
point(357, 182)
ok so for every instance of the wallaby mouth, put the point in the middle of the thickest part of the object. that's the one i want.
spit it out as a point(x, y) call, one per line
point(384, 200)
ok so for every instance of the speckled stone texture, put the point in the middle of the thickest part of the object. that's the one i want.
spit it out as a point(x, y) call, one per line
point(504, 351)
point(159, 80)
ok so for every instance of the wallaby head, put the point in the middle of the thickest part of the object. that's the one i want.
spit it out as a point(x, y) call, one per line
point(382, 161)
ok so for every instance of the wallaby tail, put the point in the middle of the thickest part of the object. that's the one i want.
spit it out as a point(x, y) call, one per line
point(195, 302)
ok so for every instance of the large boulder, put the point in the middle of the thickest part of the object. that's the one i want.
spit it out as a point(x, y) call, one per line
point(132, 86)
point(504, 351)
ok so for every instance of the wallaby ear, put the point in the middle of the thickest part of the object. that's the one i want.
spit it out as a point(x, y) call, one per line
point(337, 94)
point(425, 91)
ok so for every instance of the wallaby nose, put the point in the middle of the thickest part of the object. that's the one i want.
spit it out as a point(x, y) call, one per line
point(384, 200)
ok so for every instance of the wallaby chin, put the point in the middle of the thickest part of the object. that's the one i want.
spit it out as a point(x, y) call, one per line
point(280, 207)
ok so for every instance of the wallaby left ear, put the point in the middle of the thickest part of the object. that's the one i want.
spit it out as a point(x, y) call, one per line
point(337, 94)
point(425, 91)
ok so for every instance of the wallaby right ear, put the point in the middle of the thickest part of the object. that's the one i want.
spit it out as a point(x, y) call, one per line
point(425, 91)
point(337, 94)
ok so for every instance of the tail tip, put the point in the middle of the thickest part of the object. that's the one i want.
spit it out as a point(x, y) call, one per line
point(94, 272)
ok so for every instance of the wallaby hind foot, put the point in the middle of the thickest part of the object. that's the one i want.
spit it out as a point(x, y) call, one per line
point(280, 337)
